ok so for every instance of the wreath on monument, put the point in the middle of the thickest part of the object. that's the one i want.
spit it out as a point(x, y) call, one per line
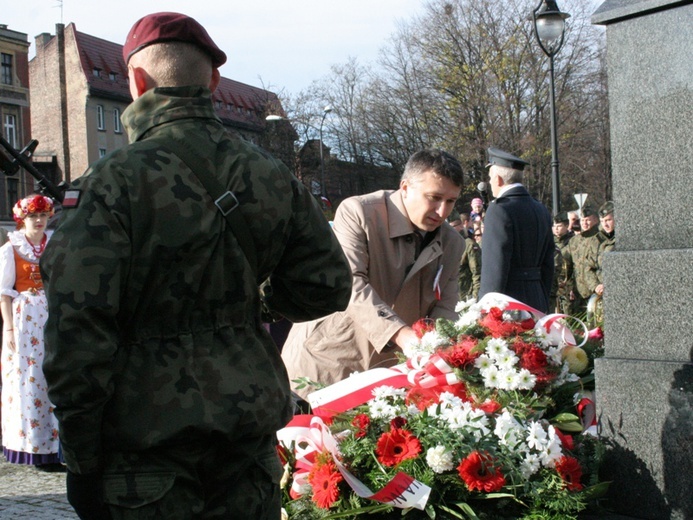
point(490, 416)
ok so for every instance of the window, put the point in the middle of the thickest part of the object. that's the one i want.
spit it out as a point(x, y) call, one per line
point(99, 118)
point(6, 75)
point(10, 129)
point(112, 76)
point(12, 192)
point(116, 121)
point(96, 72)
point(102, 152)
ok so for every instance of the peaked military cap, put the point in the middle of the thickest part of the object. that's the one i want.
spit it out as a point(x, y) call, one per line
point(501, 158)
point(606, 209)
point(167, 27)
point(588, 211)
point(561, 218)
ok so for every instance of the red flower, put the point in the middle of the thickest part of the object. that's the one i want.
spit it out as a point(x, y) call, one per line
point(534, 359)
point(495, 325)
point(422, 398)
point(397, 446)
point(462, 353)
point(570, 471)
point(595, 334)
point(423, 326)
point(325, 480)
point(566, 440)
point(398, 423)
point(489, 406)
point(361, 422)
point(479, 473)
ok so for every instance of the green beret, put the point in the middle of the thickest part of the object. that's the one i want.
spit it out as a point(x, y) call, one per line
point(561, 218)
point(606, 209)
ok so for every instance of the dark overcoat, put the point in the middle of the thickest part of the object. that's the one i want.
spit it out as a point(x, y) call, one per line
point(517, 249)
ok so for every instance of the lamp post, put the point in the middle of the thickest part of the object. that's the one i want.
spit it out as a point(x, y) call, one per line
point(325, 111)
point(323, 188)
point(549, 28)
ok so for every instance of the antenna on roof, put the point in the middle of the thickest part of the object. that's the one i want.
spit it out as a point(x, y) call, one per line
point(60, 4)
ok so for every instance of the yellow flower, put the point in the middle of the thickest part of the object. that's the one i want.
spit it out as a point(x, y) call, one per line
point(576, 358)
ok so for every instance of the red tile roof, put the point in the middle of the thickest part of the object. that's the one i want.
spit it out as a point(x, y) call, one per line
point(237, 104)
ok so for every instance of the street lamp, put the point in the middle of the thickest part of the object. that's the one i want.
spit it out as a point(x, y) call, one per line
point(323, 188)
point(549, 28)
point(325, 111)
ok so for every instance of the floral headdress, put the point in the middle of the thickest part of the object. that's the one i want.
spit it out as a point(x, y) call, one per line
point(32, 204)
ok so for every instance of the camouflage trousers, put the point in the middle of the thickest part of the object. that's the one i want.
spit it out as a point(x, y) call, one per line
point(205, 480)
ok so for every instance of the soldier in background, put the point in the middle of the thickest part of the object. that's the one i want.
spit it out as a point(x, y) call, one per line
point(470, 264)
point(560, 291)
point(582, 254)
point(168, 389)
point(607, 243)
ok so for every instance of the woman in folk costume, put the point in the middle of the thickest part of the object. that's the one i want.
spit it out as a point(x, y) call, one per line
point(29, 428)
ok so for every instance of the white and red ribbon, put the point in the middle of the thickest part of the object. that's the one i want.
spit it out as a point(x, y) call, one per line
point(310, 436)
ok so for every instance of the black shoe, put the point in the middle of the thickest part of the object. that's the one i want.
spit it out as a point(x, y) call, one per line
point(54, 467)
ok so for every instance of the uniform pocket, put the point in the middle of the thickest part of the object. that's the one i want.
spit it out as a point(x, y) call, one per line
point(133, 490)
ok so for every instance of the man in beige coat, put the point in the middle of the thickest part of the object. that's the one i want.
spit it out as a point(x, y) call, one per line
point(404, 257)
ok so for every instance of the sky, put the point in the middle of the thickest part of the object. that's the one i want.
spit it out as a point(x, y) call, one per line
point(281, 45)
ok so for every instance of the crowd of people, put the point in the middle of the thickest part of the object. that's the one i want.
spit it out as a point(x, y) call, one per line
point(157, 370)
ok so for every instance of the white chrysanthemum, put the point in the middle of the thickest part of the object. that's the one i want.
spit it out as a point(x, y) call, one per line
point(507, 360)
point(526, 380)
point(439, 459)
point(555, 355)
point(488, 302)
point(536, 436)
point(383, 392)
point(551, 453)
point(464, 305)
point(450, 400)
point(505, 425)
point(478, 420)
point(468, 319)
point(413, 410)
point(497, 348)
point(380, 409)
point(432, 340)
point(483, 362)
point(491, 377)
point(508, 379)
point(530, 465)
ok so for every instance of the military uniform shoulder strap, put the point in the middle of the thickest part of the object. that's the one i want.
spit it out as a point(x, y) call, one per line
point(224, 200)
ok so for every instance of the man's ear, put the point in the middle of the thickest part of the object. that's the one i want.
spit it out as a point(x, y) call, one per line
point(404, 186)
point(216, 78)
point(140, 81)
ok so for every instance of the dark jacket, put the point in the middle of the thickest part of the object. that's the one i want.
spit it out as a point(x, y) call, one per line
point(517, 253)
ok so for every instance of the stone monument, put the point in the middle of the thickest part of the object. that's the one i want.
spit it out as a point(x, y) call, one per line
point(645, 381)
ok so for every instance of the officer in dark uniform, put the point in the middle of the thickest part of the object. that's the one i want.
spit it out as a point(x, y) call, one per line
point(517, 254)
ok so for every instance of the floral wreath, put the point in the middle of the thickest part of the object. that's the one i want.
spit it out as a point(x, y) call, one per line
point(32, 204)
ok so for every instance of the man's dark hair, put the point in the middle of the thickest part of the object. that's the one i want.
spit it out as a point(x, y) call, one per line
point(439, 162)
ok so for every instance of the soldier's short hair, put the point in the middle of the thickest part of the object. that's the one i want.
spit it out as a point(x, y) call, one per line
point(435, 160)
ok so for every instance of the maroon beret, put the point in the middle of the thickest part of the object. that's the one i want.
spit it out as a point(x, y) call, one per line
point(167, 27)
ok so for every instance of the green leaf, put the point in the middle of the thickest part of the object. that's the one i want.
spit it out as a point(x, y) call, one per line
point(596, 491)
point(573, 427)
point(565, 417)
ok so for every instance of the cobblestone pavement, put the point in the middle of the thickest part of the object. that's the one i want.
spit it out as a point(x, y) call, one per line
point(29, 494)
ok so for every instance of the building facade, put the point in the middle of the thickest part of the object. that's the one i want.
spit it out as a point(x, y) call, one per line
point(80, 89)
point(14, 115)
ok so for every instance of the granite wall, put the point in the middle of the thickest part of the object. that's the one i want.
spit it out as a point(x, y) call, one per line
point(645, 381)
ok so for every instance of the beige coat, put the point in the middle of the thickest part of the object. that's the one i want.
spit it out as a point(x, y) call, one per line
point(392, 288)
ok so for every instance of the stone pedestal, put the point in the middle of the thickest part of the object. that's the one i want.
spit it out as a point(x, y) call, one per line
point(645, 382)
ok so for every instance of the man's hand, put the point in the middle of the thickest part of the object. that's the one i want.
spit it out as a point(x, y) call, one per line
point(405, 336)
point(85, 494)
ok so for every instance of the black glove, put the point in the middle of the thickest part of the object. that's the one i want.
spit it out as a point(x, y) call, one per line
point(85, 495)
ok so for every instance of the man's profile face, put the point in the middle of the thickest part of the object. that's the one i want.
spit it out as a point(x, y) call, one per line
point(429, 199)
point(560, 229)
point(608, 223)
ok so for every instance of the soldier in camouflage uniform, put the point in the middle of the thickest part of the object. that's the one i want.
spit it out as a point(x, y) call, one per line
point(469, 279)
point(582, 254)
point(607, 243)
point(560, 293)
point(167, 387)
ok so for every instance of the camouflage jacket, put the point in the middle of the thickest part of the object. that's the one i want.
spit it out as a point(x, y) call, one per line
point(154, 333)
point(561, 273)
point(584, 251)
point(470, 270)
point(608, 242)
